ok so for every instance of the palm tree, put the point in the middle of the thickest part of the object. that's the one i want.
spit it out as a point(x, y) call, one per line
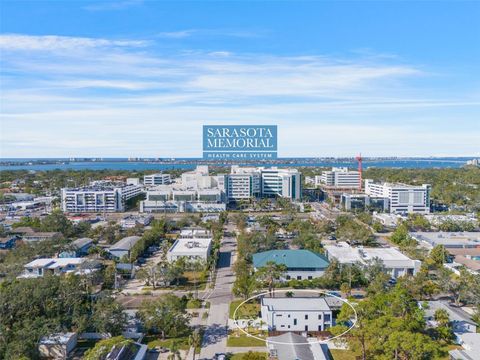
point(270, 273)
point(195, 341)
point(174, 352)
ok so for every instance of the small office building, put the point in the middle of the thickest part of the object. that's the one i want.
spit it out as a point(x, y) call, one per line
point(301, 264)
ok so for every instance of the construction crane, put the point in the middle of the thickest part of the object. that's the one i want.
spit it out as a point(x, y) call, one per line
point(359, 159)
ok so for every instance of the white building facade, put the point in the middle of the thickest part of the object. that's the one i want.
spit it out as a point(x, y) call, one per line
point(296, 314)
point(340, 178)
point(156, 179)
point(98, 197)
point(403, 199)
point(396, 263)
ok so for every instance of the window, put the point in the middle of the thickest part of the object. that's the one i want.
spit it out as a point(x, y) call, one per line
point(299, 277)
point(319, 316)
point(327, 317)
point(310, 277)
point(306, 317)
point(319, 327)
point(289, 326)
point(306, 327)
point(294, 321)
point(288, 277)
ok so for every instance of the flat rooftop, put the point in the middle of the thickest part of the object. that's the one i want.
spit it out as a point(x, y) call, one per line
point(347, 254)
point(51, 263)
point(456, 238)
point(295, 304)
point(191, 246)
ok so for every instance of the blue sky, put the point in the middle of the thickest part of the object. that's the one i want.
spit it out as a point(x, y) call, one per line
point(140, 78)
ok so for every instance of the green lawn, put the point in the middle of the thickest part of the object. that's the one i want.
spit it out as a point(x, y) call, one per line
point(182, 342)
point(343, 354)
point(243, 340)
point(247, 310)
point(239, 356)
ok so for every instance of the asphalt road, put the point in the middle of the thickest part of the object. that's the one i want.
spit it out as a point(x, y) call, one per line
point(215, 335)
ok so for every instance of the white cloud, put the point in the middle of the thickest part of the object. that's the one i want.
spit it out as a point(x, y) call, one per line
point(107, 5)
point(120, 98)
point(55, 43)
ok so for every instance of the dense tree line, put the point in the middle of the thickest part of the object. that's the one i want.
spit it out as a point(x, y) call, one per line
point(32, 308)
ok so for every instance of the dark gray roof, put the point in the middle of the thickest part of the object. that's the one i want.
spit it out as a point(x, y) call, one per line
point(79, 243)
point(126, 243)
point(290, 349)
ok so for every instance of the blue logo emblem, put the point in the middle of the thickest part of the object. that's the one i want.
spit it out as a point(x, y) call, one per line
point(240, 142)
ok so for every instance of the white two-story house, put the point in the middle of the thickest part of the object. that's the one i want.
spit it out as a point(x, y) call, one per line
point(296, 314)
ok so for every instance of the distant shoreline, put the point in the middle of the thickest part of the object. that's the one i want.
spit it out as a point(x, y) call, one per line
point(141, 164)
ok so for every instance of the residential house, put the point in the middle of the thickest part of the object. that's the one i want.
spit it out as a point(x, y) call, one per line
point(130, 351)
point(301, 264)
point(8, 242)
point(470, 347)
point(123, 247)
point(291, 346)
point(57, 346)
point(57, 266)
point(307, 314)
point(460, 320)
point(78, 248)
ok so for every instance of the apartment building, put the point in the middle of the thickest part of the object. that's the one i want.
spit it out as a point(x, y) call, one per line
point(156, 179)
point(339, 177)
point(403, 199)
point(98, 197)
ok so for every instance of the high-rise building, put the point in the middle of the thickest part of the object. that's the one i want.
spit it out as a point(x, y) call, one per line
point(242, 183)
point(157, 179)
point(98, 197)
point(281, 182)
point(340, 178)
point(403, 199)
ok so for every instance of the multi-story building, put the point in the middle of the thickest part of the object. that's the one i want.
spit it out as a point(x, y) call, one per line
point(242, 183)
point(403, 199)
point(281, 182)
point(98, 197)
point(190, 248)
point(247, 183)
point(296, 314)
point(339, 177)
point(156, 179)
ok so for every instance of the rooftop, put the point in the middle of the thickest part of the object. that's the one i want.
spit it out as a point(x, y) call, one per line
point(454, 313)
point(195, 245)
point(79, 243)
point(296, 304)
point(290, 346)
point(126, 243)
point(293, 259)
point(347, 254)
point(456, 238)
point(58, 338)
point(53, 263)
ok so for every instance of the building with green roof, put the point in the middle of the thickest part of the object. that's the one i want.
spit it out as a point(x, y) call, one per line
point(301, 264)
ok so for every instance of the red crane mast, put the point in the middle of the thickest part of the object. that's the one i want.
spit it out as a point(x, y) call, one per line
point(359, 159)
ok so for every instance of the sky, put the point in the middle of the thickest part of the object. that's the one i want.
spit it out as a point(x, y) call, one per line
point(132, 78)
